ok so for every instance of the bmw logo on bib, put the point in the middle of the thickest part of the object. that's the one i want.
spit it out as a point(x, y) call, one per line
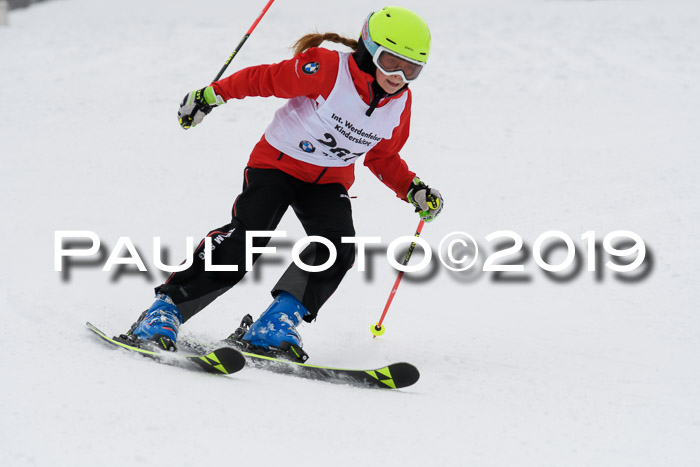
point(310, 68)
point(306, 146)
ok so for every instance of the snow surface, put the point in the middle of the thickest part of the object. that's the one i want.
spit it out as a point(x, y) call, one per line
point(533, 116)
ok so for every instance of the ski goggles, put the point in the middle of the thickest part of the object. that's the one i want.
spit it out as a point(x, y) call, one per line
point(391, 63)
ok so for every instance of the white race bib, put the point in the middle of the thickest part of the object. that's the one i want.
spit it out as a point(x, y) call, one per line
point(336, 131)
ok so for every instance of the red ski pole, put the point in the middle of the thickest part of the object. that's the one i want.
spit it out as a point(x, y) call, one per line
point(377, 328)
point(186, 120)
point(245, 38)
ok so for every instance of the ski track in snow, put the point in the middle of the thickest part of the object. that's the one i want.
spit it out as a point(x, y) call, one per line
point(532, 116)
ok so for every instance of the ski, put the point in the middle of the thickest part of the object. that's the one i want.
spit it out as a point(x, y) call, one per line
point(223, 360)
point(394, 376)
point(229, 357)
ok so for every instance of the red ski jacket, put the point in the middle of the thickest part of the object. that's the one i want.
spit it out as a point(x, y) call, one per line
point(287, 80)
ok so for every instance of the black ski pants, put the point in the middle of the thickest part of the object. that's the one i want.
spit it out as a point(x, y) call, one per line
point(323, 209)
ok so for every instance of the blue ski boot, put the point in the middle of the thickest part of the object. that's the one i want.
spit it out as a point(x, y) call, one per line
point(275, 331)
point(159, 323)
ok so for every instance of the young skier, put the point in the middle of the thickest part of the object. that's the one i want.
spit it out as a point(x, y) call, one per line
point(341, 106)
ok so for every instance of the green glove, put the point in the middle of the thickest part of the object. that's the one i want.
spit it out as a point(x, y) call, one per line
point(428, 201)
point(196, 105)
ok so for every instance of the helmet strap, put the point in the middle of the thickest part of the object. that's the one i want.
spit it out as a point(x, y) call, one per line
point(364, 59)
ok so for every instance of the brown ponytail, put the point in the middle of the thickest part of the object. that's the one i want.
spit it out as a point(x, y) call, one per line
point(316, 39)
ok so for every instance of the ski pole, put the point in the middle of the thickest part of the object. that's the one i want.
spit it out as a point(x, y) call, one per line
point(186, 120)
point(377, 328)
point(245, 38)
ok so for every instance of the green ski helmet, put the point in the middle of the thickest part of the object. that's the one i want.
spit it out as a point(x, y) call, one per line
point(398, 41)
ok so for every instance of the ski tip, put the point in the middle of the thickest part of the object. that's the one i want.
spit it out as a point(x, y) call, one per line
point(93, 328)
point(404, 374)
point(235, 360)
point(224, 360)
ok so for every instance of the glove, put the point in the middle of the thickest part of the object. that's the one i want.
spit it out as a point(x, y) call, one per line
point(196, 105)
point(428, 201)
